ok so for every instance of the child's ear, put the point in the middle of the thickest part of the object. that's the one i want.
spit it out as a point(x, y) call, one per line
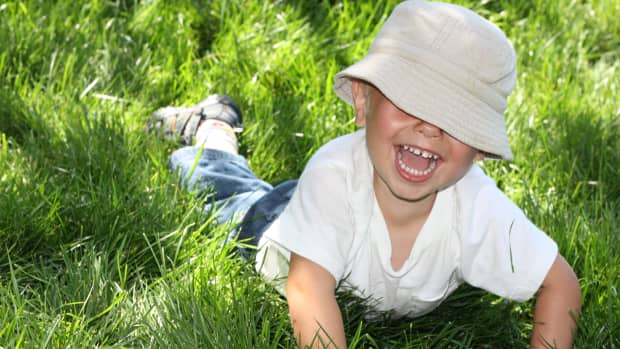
point(359, 91)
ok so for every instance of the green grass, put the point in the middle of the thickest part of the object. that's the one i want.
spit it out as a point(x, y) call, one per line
point(101, 247)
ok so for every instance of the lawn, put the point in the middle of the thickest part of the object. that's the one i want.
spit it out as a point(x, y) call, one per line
point(102, 247)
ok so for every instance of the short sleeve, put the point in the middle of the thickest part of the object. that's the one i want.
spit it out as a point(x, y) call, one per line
point(316, 224)
point(502, 251)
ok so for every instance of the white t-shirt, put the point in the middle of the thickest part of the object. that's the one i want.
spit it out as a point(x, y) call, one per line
point(474, 234)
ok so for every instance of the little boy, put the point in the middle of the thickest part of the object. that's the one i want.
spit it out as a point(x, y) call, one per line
point(396, 211)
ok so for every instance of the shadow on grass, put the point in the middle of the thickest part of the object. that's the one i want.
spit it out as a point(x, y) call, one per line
point(16, 120)
point(586, 147)
point(462, 321)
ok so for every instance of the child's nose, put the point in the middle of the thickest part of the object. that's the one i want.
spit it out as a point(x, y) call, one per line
point(427, 130)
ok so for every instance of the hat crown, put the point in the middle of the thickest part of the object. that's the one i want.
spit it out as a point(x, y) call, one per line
point(443, 64)
point(439, 34)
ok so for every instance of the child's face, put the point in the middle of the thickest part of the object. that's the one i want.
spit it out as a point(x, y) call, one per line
point(413, 159)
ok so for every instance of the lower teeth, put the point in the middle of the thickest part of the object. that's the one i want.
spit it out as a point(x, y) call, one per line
point(414, 171)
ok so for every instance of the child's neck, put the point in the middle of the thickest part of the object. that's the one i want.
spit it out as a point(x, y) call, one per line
point(401, 212)
point(404, 221)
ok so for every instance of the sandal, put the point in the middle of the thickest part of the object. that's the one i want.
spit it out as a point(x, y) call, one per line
point(181, 123)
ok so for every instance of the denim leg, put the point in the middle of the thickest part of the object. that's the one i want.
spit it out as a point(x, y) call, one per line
point(232, 186)
point(263, 212)
point(234, 190)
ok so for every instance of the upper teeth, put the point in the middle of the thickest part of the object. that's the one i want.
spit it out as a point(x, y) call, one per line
point(419, 152)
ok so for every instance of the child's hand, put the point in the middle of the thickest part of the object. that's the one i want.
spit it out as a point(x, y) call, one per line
point(557, 308)
point(311, 297)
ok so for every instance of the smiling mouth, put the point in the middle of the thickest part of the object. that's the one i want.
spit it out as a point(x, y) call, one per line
point(416, 162)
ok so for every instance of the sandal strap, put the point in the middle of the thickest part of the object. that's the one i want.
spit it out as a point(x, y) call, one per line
point(191, 126)
point(182, 122)
point(175, 122)
point(222, 108)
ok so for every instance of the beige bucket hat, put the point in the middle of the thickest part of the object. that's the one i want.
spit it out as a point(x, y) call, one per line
point(446, 65)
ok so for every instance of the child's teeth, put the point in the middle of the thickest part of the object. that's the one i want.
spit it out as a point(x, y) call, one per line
point(414, 171)
point(423, 153)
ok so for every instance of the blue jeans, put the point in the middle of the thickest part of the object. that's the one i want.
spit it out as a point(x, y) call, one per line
point(234, 189)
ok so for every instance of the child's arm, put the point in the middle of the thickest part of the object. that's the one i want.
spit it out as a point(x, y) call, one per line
point(314, 313)
point(557, 308)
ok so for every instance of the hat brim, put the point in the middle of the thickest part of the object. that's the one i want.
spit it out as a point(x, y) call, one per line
point(432, 97)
